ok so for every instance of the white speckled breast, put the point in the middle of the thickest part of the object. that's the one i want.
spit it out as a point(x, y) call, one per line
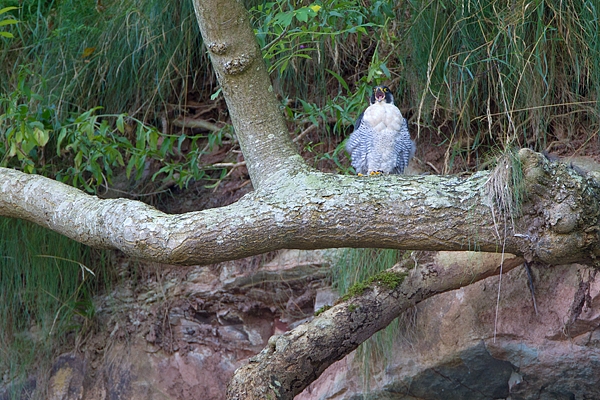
point(386, 121)
point(383, 116)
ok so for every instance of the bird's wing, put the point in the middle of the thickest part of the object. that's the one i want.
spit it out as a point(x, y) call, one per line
point(359, 120)
point(359, 145)
point(404, 148)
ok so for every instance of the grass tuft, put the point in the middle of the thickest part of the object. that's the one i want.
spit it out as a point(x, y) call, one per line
point(497, 76)
point(132, 56)
point(505, 188)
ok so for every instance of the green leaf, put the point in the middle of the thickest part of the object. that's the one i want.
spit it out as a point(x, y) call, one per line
point(121, 123)
point(153, 139)
point(86, 115)
point(385, 70)
point(78, 159)
point(13, 149)
point(284, 18)
point(119, 158)
point(7, 9)
point(130, 166)
point(7, 35)
point(180, 142)
point(284, 65)
point(139, 166)
point(140, 142)
point(41, 136)
point(8, 22)
point(339, 79)
point(89, 129)
point(216, 94)
point(302, 14)
point(61, 137)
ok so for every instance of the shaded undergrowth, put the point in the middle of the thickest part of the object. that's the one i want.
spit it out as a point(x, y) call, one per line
point(46, 286)
point(473, 77)
point(131, 56)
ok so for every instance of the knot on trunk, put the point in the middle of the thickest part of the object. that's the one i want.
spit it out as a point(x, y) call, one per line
point(561, 210)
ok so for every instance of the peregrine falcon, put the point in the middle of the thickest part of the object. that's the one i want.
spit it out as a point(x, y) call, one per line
point(380, 143)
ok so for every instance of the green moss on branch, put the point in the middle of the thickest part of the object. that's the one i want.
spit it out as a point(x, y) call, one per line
point(387, 279)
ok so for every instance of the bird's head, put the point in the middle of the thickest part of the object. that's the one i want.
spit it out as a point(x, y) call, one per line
point(382, 93)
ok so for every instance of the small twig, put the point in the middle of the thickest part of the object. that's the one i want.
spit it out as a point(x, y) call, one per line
point(233, 189)
point(304, 133)
point(187, 122)
point(228, 165)
point(233, 166)
point(531, 289)
point(437, 171)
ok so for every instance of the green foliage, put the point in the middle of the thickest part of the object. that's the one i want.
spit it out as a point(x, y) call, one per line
point(135, 56)
point(289, 30)
point(525, 74)
point(85, 150)
point(482, 76)
point(322, 310)
point(305, 48)
point(22, 132)
point(46, 287)
point(7, 21)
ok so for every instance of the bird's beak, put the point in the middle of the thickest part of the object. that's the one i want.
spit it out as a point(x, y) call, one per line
point(379, 95)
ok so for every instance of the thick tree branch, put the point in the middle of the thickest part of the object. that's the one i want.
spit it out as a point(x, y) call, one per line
point(296, 207)
point(310, 210)
point(298, 357)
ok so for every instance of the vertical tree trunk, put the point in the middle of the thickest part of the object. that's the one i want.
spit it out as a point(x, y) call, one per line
point(241, 71)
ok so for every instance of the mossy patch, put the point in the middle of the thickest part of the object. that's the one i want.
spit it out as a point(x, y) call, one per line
point(387, 279)
point(322, 310)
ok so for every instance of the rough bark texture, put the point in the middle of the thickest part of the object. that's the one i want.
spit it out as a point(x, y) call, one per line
point(242, 73)
point(295, 359)
point(310, 210)
point(296, 207)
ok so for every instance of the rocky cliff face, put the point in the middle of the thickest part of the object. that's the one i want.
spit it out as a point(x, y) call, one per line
point(181, 333)
point(466, 344)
